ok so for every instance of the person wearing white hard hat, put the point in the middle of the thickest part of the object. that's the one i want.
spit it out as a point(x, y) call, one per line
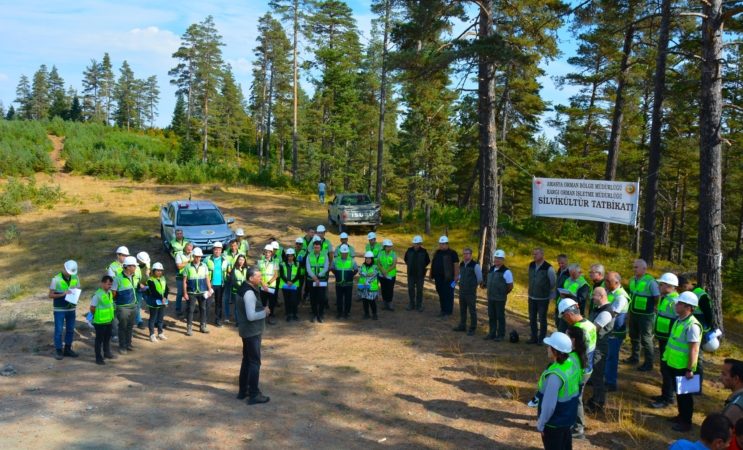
point(344, 269)
point(278, 251)
point(680, 356)
point(542, 289)
point(704, 313)
point(562, 293)
point(344, 241)
point(417, 260)
point(644, 293)
point(499, 284)
point(243, 246)
point(445, 272)
point(218, 266)
point(116, 265)
point(102, 308)
point(300, 255)
point(558, 393)
point(157, 301)
point(178, 243)
point(470, 277)
point(290, 276)
point(197, 288)
point(664, 320)
point(125, 296)
point(182, 260)
point(387, 263)
point(327, 247)
point(63, 285)
point(731, 377)
point(269, 268)
point(373, 246)
point(369, 285)
point(317, 277)
point(141, 274)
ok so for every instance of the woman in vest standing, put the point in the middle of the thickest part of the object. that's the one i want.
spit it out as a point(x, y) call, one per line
point(238, 276)
point(157, 301)
point(317, 276)
point(102, 307)
point(64, 311)
point(289, 276)
point(387, 262)
point(369, 285)
point(559, 388)
point(251, 316)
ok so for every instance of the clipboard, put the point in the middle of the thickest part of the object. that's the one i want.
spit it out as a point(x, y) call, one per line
point(269, 290)
point(688, 386)
point(321, 284)
point(73, 296)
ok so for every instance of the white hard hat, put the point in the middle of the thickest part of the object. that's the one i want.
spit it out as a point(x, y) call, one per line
point(130, 261)
point(689, 298)
point(299, 240)
point(417, 239)
point(239, 232)
point(343, 235)
point(70, 267)
point(198, 252)
point(499, 254)
point(218, 244)
point(122, 251)
point(275, 245)
point(320, 229)
point(560, 342)
point(669, 279)
point(157, 266)
point(268, 248)
point(565, 304)
point(387, 243)
point(143, 257)
point(316, 238)
point(443, 240)
point(369, 254)
point(344, 248)
point(371, 235)
point(711, 345)
point(289, 251)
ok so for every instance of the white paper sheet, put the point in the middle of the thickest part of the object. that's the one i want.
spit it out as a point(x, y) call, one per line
point(73, 296)
point(688, 386)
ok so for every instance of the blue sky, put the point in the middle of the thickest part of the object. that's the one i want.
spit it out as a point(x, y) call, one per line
point(69, 34)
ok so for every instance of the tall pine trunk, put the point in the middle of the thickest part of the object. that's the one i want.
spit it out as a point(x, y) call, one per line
point(647, 251)
point(382, 104)
point(709, 246)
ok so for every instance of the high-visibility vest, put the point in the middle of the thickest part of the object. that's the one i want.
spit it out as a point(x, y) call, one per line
point(268, 269)
point(243, 247)
point(177, 246)
point(677, 351)
point(573, 285)
point(115, 268)
point(290, 272)
point(317, 262)
point(388, 262)
point(589, 332)
point(61, 285)
point(222, 265)
point(566, 410)
point(374, 249)
point(196, 278)
point(240, 276)
point(666, 316)
point(344, 271)
point(160, 284)
point(369, 276)
point(125, 290)
point(640, 291)
point(104, 310)
point(620, 320)
point(182, 272)
point(698, 310)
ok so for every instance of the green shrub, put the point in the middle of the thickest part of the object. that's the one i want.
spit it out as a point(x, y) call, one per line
point(24, 148)
point(17, 196)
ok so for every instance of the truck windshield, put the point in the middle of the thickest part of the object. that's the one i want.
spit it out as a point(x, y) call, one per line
point(352, 200)
point(199, 217)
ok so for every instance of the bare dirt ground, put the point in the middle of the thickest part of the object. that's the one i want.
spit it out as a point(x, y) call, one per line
point(405, 381)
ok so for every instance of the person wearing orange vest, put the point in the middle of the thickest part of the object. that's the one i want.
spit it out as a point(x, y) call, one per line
point(64, 311)
point(102, 308)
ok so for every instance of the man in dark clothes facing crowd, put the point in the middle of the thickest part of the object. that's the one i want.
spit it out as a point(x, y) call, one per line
point(417, 259)
point(444, 272)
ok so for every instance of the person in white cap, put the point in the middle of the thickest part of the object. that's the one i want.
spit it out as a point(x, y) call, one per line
point(242, 242)
point(499, 284)
point(317, 277)
point(444, 272)
point(125, 296)
point(369, 285)
point(417, 260)
point(344, 241)
point(559, 390)
point(387, 262)
point(278, 251)
point(345, 269)
point(269, 268)
point(117, 265)
point(681, 354)
point(218, 266)
point(141, 274)
point(64, 312)
point(664, 320)
point(228, 293)
point(182, 260)
point(373, 246)
point(290, 276)
point(197, 288)
point(157, 301)
point(326, 246)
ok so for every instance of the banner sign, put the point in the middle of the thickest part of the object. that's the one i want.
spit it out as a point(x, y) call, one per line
point(597, 200)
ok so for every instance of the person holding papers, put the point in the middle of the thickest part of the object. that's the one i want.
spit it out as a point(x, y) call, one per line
point(269, 267)
point(289, 281)
point(64, 291)
point(317, 278)
point(369, 285)
point(680, 357)
point(157, 301)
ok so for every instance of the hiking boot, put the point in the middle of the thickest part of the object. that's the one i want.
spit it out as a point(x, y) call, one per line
point(68, 352)
point(631, 360)
point(58, 355)
point(488, 337)
point(420, 308)
point(109, 356)
point(260, 398)
point(681, 427)
point(189, 331)
point(660, 404)
point(206, 330)
point(100, 361)
point(319, 319)
point(410, 307)
point(645, 368)
point(459, 328)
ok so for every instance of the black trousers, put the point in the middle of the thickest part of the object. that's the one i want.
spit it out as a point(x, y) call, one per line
point(468, 304)
point(668, 383)
point(415, 290)
point(343, 298)
point(156, 319)
point(318, 299)
point(218, 303)
point(125, 314)
point(557, 438)
point(291, 298)
point(684, 402)
point(102, 339)
point(193, 299)
point(538, 315)
point(599, 369)
point(370, 304)
point(497, 318)
point(269, 299)
point(387, 287)
point(250, 369)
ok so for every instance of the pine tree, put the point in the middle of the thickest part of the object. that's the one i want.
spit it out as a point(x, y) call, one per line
point(60, 106)
point(92, 103)
point(230, 113)
point(11, 113)
point(40, 94)
point(126, 93)
point(76, 110)
point(107, 87)
point(179, 122)
point(23, 98)
point(151, 99)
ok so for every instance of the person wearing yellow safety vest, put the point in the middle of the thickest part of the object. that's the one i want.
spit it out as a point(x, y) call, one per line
point(290, 276)
point(238, 275)
point(197, 288)
point(182, 260)
point(345, 269)
point(644, 294)
point(619, 301)
point(344, 241)
point(704, 314)
point(178, 243)
point(569, 310)
point(117, 265)
point(218, 268)
point(317, 276)
point(142, 273)
point(559, 390)
point(680, 355)
point(596, 275)
point(300, 254)
point(157, 301)
point(373, 246)
point(125, 297)
point(302, 257)
point(243, 246)
point(577, 284)
point(269, 267)
point(102, 308)
point(387, 264)
point(230, 255)
point(369, 285)
point(664, 320)
point(64, 312)
point(327, 247)
point(309, 235)
point(278, 251)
